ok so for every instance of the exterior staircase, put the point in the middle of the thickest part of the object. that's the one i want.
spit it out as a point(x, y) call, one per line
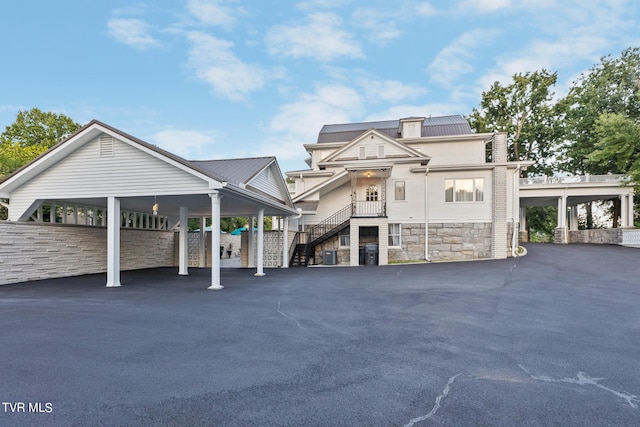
point(319, 233)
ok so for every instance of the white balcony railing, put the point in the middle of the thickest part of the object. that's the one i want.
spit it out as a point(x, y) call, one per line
point(578, 179)
point(365, 208)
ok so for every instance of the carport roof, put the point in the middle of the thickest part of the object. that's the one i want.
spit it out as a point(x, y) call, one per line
point(229, 176)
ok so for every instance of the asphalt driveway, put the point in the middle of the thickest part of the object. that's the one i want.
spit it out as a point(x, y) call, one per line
point(552, 338)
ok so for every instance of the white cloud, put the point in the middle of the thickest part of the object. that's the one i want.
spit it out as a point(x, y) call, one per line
point(484, 6)
point(424, 110)
point(299, 121)
point(377, 23)
point(389, 90)
point(321, 4)
point(215, 63)
point(212, 12)
point(425, 9)
point(456, 59)
point(189, 144)
point(322, 38)
point(132, 31)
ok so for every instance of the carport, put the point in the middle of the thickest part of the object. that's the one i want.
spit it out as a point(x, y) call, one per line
point(122, 181)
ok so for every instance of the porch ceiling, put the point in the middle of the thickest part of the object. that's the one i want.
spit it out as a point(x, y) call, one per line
point(169, 205)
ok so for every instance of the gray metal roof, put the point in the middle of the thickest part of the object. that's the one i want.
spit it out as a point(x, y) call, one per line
point(432, 126)
point(236, 171)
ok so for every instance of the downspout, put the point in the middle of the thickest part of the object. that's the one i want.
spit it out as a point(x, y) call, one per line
point(515, 208)
point(426, 216)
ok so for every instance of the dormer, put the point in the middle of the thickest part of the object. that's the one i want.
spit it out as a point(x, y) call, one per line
point(411, 127)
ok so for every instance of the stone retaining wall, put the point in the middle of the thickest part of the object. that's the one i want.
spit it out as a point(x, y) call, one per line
point(34, 251)
point(601, 236)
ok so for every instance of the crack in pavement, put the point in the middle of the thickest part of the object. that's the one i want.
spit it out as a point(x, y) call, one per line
point(435, 408)
point(583, 379)
point(290, 317)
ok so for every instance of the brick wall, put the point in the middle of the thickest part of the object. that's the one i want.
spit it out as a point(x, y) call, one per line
point(30, 251)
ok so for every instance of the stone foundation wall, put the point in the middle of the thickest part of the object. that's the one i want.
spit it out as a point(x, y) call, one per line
point(34, 251)
point(459, 241)
point(602, 236)
point(332, 244)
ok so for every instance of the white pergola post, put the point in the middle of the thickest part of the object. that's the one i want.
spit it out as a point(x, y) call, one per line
point(203, 237)
point(260, 244)
point(250, 239)
point(113, 242)
point(285, 243)
point(183, 243)
point(215, 241)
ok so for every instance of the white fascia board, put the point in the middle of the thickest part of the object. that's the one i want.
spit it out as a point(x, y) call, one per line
point(310, 173)
point(260, 200)
point(48, 159)
point(319, 186)
point(381, 163)
point(486, 137)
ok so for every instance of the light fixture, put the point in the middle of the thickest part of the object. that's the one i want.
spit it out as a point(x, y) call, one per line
point(368, 174)
point(155, 206)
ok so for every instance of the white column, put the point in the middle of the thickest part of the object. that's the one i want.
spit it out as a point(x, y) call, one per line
point(203, 238)
point(183, 243)
point(215, 242)
point(250, 239)
point(260, 244)
point(630, 206)
point(113, 242)
point(285, 243)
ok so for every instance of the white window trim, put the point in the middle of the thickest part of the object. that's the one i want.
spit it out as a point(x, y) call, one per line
point(405, 190)
point(399, 236)
point(346, 232)
point(474, 201)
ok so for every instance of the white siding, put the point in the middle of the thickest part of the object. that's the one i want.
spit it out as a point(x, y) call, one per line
point(453, 153)
point(412, 208)
point(371, 149)
point(439, 211)
point(86, 174)
point(267, 182)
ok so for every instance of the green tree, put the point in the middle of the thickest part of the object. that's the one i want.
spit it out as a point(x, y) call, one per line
point(602, 115)
point(610, 87)
point(32, 133)
point(617, 146)
point(524, 109)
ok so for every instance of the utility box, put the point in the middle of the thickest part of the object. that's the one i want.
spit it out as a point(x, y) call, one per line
point(329, 258)
point(371, 254)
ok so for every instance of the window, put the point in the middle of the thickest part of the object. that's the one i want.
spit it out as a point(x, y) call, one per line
point(381, 151)
point(399, 190)
point(371, 194)
point(345, 237)
point(394, 235)
point(464, 190)
point(362, 153)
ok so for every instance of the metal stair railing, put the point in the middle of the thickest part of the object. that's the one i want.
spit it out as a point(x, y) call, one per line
point(327, 228)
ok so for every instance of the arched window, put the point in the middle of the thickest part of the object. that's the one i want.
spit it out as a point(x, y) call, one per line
point(372, 193)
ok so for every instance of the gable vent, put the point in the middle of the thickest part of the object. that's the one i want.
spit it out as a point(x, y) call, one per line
point(107, 146)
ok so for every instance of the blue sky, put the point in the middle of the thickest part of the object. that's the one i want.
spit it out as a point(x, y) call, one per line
point(222, 78)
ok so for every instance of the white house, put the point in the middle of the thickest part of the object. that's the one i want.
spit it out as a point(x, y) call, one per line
point(418, 188)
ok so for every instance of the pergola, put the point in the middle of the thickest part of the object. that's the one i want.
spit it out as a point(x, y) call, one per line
point(117, 174)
